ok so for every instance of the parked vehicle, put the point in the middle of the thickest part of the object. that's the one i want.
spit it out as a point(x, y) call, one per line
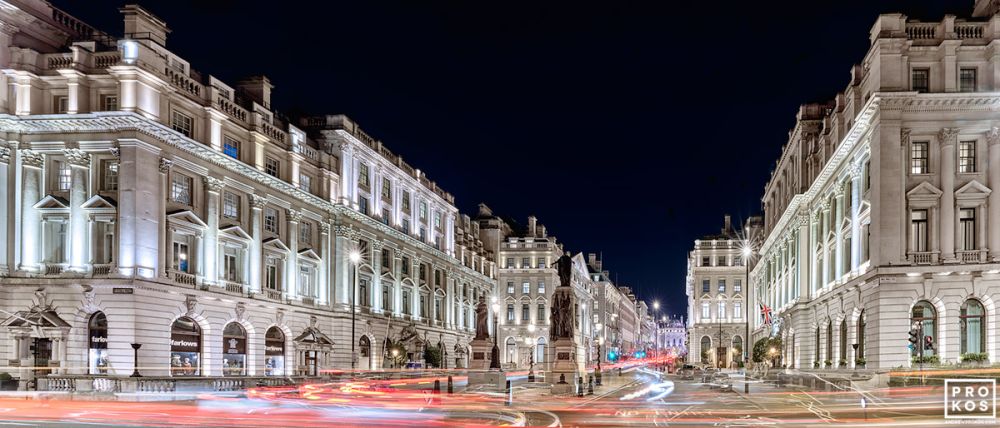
point(687, 372)
point(721, 381)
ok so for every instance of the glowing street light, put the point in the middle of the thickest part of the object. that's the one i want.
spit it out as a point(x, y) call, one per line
point(355, 258)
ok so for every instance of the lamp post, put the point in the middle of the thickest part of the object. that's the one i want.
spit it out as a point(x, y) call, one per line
point(355, 258)
point(135, 359)
point(495, 354)
point(532, 345)
point(395, 356)
point(747, 253)
point(656, 328)
point(600, 344)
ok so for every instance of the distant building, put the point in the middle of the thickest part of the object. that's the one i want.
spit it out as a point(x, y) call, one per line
point(673, 337)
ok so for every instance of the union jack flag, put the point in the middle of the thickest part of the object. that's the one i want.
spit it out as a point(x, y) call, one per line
point(765, 312)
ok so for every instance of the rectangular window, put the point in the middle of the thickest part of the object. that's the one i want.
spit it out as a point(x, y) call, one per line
point(305, 183)
point(386, 259)
point(305, 233)
point(437, 219)
point(182, 123)
point(967, 224)
point(272, 167)
point(305, 281)
point(109, 102)
point(386, 189)
point(405, 203)
point(65, 175)
point(406, 225)
point(525, 287)
point(722, 286)
point(541, 288)
point(918, 230)
point(921, 80)
point(542, 316)
point(406, 302)
point(386, 216)
point(721, 261)
point(405, 268)
point(271, 274)
point(967, 80)
point(510, 312)
point(231, 147)
point(919, 159)
point(737, 310)
point(363, 175)
point(180, 189)
point(271, 220)
point(110, 175)
point(363, 205)
point(525, 313)
point(510, 287)
point(967, 156)
point(510, 263)
point(722, 310)
point(540, 263)
point(230, 205)
point(230, 265)
point(737, 285)
point(706, 285)
point(423, 210)
point(525, 263)
point(180, 257)
point(423, 234)
point(706, 261)
point(706, 311)
point(62, 104)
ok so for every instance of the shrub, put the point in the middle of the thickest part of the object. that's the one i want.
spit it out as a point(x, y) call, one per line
point(816, 364)
point(5, 376)
point(975, 357)
point(843, 363)
point(860, 361)
point(927, 359)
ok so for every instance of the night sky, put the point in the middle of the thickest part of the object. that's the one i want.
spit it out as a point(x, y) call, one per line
point(627, 129)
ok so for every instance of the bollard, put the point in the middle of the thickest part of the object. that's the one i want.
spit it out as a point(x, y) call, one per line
point(598, 376)
point(619, 371)
point(509, 394)
point(590, 385)
point(451, 385)
point(579, 386)
point(437, 386)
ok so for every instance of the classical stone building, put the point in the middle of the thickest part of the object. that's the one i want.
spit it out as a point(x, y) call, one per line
point(717, 298)
point(673, 337)
point(882, 211)
point(146, 203)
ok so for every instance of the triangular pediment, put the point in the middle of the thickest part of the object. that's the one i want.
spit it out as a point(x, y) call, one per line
point(274, 244)
point(186, 216)
point(236, 232)
point(98, 203)
point(924, 190)
point(388, 274)
point(972, 190)
point(50, 202)
point(309, 254)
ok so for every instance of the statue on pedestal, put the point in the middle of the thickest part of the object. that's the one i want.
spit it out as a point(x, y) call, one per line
point(562, 315)
point(564, 265)
point(482, 320)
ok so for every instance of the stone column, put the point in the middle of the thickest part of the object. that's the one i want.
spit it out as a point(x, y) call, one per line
point(377, 304)
point(256, 255)
point(199, 257)
point(948, 137)
point(397, 272)
point(79, 162)
point(30, 218)
point(342, 273)
point(292, 262)
point(838, 269)
point(993, 178)
point(326, 263)
point(825, 278)
point(213, 186)
point(166, 239)
point(814, 269)
point(856, 171)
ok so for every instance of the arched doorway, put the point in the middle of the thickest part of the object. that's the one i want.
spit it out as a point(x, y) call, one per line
point(924, 318)
point(511, 350)
point(185, 347)
point(274, 352)
point(706, 350)
point(234, 350)
point(97, 333)
point(737, 350)
point(364, 353)
point(540, 351)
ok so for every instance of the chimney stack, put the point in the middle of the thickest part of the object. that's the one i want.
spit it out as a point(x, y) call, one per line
point(140, 24)
point(259, 88)
point(532, 226)
point(484, 211)
point(592, 259)
point(541, 231)
point(728, 225)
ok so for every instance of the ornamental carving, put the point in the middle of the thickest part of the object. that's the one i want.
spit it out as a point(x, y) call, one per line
point(904, 137)
point(191, 303)
point(324, 228)
point(165, 165)
point(116, 152)
point(241, 309)
point(257, 201)
point(32, 159)
point(397, 253)
point(948, 136)
point(343, 231)
point(5, 154)
point(292, 215)
point(213, 184)
point(77, 157)
point(993, 136)
point(377, 246)
point(279, 317)
point(854, 170)
point(802, 220)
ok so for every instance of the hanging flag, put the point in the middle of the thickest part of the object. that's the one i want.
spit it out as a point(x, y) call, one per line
point(765, 312)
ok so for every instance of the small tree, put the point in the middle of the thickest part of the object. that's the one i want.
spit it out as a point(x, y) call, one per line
point(432, 356)
point(762, 348)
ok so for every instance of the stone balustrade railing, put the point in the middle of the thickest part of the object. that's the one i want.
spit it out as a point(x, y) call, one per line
point(155, 385)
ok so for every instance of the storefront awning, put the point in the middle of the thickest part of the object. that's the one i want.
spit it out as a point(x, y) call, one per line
point(32, 318)
point(313, 335)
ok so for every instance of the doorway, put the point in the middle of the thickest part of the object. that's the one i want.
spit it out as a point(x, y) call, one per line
point(41, 349)
point(721, 357)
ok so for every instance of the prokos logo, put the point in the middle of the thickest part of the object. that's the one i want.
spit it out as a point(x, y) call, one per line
point(970, 399)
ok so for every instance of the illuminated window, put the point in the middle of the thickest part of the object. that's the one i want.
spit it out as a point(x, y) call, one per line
point(526, 287)
point(918, 230)
point(109, 102)
point(386, 188)
point(541, 288)
point(181, 122)
point(967, 156)
point(230, 205)
point(271, 220)
point(110, 175)
point(363, 175)
point(510, 312)
point(510, 287)
point(706, 310)
point(405, 203)
point(305, 183)
point(920, 80)
point(180, 189)
point(231, 148)
point(919, 157)
point(65, 176)
point(967, 228)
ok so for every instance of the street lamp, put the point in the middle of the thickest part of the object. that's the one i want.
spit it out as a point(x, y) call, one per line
point(747, 253)
point(600, 344)
point(495, 354)
point(135, 359)
point(355, 258)
point(395, 356)
point(656, 329)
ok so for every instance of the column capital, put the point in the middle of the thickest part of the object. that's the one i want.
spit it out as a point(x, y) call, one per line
point(293, 215)
point(213, 184)
point(77, 157)
point(377, 246)
point(948, 136)
point(838, 190)
point(343, 231)
point(855, 170)
point(32, 159)
point(397, 253)
point(324, 228)
point(802, 220)
point(165, 165)
point(993, 136)
point(4, 154)
point(257, 202)
point(904, 137)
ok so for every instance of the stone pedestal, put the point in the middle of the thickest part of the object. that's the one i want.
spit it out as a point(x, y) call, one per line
point(564, 369)
point(481, 350)
point(495, 379)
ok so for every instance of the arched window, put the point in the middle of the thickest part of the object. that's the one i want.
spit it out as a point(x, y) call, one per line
point(365, 346)
point(860, 354)
point(817, 361)
point(540, 351)
point(274, 352)
point(973, 321)
point(737, 349)
point(234, 350)
point(925, 319)
point(511, 350)
point(185, 347)
point(97, 331)
point(843, 341)
point(706, 349)
point(829, 341)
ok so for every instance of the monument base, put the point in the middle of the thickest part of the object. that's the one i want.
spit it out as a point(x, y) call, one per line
point(564, 371)
point(481, 350)
point(494, 379)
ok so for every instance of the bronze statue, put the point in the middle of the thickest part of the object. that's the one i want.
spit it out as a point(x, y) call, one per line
point(482, 320)
point(562, 314)
point(564, 265)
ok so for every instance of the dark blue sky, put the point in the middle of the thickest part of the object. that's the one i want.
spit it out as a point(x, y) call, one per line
point(627, 129)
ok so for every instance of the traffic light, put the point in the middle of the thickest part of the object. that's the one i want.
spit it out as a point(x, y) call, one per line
point(914, 336)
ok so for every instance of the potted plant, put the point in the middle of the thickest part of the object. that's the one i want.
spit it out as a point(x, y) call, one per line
point(843, 363)
point(7, 382)
point(859, 362)
point(816, 364)
point(926, 359)
point(828, 363)
point(975, 358)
